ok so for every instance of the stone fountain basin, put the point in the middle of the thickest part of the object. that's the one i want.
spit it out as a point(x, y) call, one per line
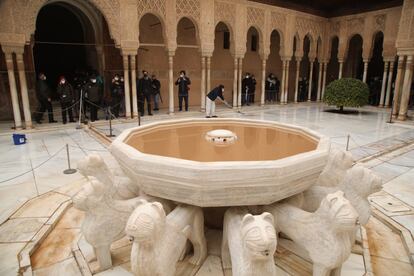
point(221, 183)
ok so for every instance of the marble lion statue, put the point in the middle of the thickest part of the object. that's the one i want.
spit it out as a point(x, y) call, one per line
point(105, 218)
point(326, 235)
point(159, 240)
point(338, 163)
point(249, 243)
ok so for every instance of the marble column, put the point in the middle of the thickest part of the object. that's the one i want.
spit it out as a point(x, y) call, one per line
point(384, 83)
point(240, 82)
point(282, 88)
point(13, 91)
point(134, 87)
point(235, 83)
point(364, 76)
point(310, 81)
point(170, 83)
point(203, 85)
point(125, 58)
point(397, 87)
point(297, 79)
point(325, 68)
point(262, 98)
point(405, 96)
point(285, 97)
point(389, 84)
point(208, 87)
point(341, 65)
point(318, 97)
point(23, 89)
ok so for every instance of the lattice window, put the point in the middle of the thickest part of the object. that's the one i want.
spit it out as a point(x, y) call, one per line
point(188, 8)
point(145, 6)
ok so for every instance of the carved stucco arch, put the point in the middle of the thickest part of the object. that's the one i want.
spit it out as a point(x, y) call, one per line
point(348, 41)
point(196, 26)
point(281, 38)
point(160, 18)
point(232, 36)
point(261, 36)
point(372, 41)
point(108, 8)
point(330, 41)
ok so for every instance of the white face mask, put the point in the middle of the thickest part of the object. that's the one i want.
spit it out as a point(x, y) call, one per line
point(181, 75)
point(62, 81)
point(247, 77)
point(93, 81)
point(116, 79)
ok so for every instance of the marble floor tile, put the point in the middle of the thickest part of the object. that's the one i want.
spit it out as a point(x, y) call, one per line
point(402, 187)
point(390, 204)
point(9, 264)
point(406, 221)
point(67, 267)
point(116, 271)
point(388, 171)
point(354, 266)
point(42, 206)
point(211, 266)
point(387, 267)
point(72, 218)
point(20, 229)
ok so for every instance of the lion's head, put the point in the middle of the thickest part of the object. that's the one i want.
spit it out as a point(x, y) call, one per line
point(259, 235)
point(146, 223)
point(90, 195)
point(89, 165)
point(339, 211)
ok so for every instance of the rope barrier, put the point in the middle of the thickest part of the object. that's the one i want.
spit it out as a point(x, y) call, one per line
point(66, 109)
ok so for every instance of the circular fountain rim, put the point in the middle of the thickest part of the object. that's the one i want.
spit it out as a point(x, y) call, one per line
point(323, 143)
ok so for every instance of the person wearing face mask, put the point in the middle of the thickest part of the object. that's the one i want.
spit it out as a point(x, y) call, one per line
point(44, 96)
point(144, 90)
point(65, 93)
point(247, 84)
point(117, 92)
point(156, 86)
point(183, 83)
point(93, 96)
point(216, 93)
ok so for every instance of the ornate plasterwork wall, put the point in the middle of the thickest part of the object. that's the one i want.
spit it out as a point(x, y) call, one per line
point(123, 17)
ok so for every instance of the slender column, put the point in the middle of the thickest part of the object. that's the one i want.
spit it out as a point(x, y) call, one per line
point(203, 85)
point(170, 83)
point(341, 65)
point(405, 97)
point(235, 83)
point(297, 79)
point(397, 87)
point(240, 81)
point(364, 76)
point(384, 83)
point(262, 99)
point(13, 91)
point(126, 86)
point(325, 68)
point(318, 97)
point(286, 82)
point(282, 89)
point(23, 88)
point(208, 74)
point(134, 87)
point(389, 84)
point(310, 81)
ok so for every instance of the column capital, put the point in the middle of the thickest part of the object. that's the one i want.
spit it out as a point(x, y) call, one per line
point(171, 53)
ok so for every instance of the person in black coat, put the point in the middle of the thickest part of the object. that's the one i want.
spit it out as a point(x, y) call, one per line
point(216, 93)
point(144, 90)
point(117, 93)
point(66, 97)
point(272, 87)
point(93, 96)
point(252, 90)
point(183, 83)
point(156, 86)
point(247, 85)
point(44, 96)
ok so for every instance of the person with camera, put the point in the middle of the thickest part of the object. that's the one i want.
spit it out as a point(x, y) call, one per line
point(144, 89)
point(66, 97)
point(183, 83)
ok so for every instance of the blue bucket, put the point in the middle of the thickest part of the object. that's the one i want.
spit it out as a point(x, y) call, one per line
point(19, 139)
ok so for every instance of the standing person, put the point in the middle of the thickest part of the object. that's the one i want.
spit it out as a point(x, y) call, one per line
point(183, 83)
point(156, 86)
point(271, 88)
point(117, 91)
point(252, 90)
point(44, 96)
point(66, 97)
point(246, 89)
point(216, 93)
point(144, 89)
point(93, 96)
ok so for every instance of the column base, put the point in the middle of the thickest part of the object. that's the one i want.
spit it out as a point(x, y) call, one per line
point(128, 116)
point(171, 113)
point(381, 105)
point(135, 114)
point(309, 100)
point(29, 125)
point(401, 117)
point(262, 104)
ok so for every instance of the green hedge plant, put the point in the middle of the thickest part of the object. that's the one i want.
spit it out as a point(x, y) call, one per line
point(346, 92)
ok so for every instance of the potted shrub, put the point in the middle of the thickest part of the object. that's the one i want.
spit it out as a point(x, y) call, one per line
point(346, 92)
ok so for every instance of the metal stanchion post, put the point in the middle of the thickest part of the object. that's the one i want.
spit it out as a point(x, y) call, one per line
point(392, 109)
point(80, 110)
point(110, 123)
point(139, 119)
point(69, 170)
point(347, 142)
